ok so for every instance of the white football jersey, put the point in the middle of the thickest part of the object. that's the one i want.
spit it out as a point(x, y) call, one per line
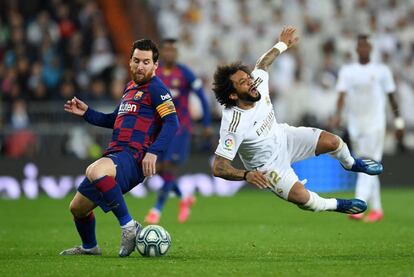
point(366, 87)
point(253, 133)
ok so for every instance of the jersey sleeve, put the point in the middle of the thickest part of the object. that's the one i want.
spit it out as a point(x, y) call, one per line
point(342, 84)
point(230, 136)
point(261, 76)
point(388, 83)
point(162, 101)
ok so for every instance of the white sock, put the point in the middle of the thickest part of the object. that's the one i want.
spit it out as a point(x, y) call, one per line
point(131, 223)
point(343, 155)
point(363, 188)
point(318, 204)
point(376, 194)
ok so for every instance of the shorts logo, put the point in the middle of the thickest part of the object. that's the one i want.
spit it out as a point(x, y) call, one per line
point(228, 144)
point(165, 97)
point(138, 95)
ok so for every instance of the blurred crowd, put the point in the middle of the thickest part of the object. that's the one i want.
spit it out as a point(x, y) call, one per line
point(51, 51)
point(55, 49)
point(303, 79)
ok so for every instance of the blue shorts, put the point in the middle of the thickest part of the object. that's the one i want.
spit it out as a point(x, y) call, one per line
point(179, 148)
point(128, 175)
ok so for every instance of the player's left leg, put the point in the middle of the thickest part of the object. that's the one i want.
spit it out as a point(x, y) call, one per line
point(82, 211)
point(337, 148)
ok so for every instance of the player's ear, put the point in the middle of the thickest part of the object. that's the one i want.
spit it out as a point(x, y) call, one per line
point(233, 96)
point(155, 65)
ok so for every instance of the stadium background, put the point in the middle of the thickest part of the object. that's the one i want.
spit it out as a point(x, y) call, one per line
point(53, 50)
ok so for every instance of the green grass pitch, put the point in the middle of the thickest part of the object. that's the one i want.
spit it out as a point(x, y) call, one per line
point(251, 234)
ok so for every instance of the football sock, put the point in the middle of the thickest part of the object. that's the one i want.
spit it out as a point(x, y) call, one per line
point(343, 155)
point(363, 187)
point(177, 190)
point(169, 184)
point(86, 230)
point(317, 203)
point(112, 194)
point(376, 194)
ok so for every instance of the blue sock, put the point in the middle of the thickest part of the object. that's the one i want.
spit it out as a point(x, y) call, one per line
point(112, 194)
point(86, 230)
point(169, 183)
point(177, 190)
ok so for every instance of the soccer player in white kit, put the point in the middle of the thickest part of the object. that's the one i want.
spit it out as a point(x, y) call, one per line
point(364, 87)
point(267, 148)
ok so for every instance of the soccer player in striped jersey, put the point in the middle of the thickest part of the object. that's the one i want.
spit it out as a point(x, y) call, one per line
point(181, 81)
point(267, 148)
point(143, 124)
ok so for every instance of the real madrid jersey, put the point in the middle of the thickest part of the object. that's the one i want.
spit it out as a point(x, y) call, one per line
point(253, 133)
point(366, 87)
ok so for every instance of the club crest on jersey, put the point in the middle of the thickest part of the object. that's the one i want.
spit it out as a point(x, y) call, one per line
point(228, 144)
point(138, 95)
point(268, 100)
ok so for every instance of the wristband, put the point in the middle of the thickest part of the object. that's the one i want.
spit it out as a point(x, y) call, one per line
point(399, 123)
point(245, 175)
point(280, 46)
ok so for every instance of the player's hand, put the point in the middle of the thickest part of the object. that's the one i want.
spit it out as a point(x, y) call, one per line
point(259, 179)
point(399, 134)
point(207, 132)
point(76, 107)
point(149, 164)
point(288, 36)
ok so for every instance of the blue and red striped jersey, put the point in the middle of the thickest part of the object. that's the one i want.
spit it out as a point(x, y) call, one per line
point(181, 81)
point(144, 121)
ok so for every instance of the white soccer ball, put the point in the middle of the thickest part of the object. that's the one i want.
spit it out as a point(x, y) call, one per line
point(153, 241)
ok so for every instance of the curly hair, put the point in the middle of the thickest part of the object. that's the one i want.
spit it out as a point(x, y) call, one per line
point(223, 86)
point(146, 45)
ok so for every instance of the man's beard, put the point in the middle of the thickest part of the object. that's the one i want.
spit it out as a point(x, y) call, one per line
point(250, 98)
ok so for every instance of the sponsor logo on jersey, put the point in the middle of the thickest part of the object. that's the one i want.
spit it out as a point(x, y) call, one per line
point(127, 107)
point(228, 144)
point(165, 97)
point(267, 124)
point(138, 95)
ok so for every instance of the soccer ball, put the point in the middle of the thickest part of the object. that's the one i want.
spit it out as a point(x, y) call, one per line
point(153, 241)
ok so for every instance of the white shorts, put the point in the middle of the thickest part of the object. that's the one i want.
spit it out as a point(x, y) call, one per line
point(369, 145)
point(299, 144)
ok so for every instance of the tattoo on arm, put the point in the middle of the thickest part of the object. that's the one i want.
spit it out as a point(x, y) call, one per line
point(267, 59)
point(222, 168)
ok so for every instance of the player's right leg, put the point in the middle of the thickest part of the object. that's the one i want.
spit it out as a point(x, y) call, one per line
point(82, 211)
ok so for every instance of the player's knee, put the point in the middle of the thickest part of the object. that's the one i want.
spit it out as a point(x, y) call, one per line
point(76, 210)
point(94, 172)
point(328, 142)
point(298, 194)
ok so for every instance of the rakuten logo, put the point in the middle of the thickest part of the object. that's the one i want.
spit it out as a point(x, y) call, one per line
point(165, 97)
point(127, 107)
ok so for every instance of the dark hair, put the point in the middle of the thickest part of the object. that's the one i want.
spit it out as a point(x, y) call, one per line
point(223, 86)
point(169, 40)
point(146, 45)
point(363, 37)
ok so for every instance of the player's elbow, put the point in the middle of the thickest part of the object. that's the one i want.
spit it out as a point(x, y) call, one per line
point(215, 169)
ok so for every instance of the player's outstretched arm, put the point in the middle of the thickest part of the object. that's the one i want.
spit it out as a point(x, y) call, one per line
point(79, 108)
point(399, 123)
point(75, 106)
point(222, 168)
point(287, 39)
